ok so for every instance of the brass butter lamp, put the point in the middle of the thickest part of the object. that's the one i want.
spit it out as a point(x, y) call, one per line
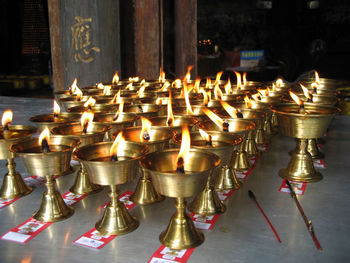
point(88, 132)
point(109, 166)
point(48, 157)
point(13, 185)
point(180, 175)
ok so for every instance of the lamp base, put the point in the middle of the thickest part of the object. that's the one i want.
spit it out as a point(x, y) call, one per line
point(226, 179)
point(240, 161)
point(181, 232)
point(82, 184)
point(313, 150)
point(52, 207)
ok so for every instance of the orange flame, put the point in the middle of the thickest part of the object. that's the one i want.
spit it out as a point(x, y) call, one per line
point(208, 83)
point(306, 91)
point(245, 82)
point(296, 98)
point(45, 134)
point(115, 79)
point(239, 81)
point(218, 77)
point(73, 86)
point(279, 83)
point(129, 86)
point(196, 85)
point(256, 97)
point(134, 79)
point(56, 107)
point(204, 135)
point(215, 118)
point(315, 86)
point(118, 113)
point(146, 128)
point(264, 92)
point(78, 93)
point(227, 86)
point(143, 82)
point(90, 102)
point(317, 78)
point(187, 77)
point(229, 109)
point(185, 144)
point(118, 145)
point(176, 83)
point(6, 118)
point(141, 90)
point(165, 86)
point(170, 119)
point(86, 118)
point(248, 102)
point(161, 78)
point(107, 90)
point(159, 101)
point(273, 87)
point(187, 99)
point(116, 99)
point(205, 96)
point(100, 86)
point(217, 92)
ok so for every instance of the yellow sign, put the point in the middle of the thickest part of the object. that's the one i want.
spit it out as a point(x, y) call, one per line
point(82, 47)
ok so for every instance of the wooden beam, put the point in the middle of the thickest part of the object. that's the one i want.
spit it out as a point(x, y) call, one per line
point(147, 38)
point(185, 36)
point(55, 42)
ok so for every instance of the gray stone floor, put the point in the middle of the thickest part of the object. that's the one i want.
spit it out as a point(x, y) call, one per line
point(240, 235)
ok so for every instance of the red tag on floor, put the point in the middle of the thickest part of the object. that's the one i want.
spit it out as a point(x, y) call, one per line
point(320, 164)
point(204, 222)
point(225, 194)
point(71, 199)
point(244, 175)
point(4, 203)
point(25, 231)
point(92, 238)
point(299, 187)
point(264, 147)
point(167, 255)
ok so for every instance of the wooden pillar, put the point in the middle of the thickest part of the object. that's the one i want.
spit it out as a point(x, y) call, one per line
point(185, 36)
point(147, 38)
point(85, 41)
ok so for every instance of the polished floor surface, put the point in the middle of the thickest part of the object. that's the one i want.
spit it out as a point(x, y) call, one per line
point(240, 235)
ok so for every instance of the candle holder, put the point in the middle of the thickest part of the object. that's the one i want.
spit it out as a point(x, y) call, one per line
point(178, 122)
point(48, 165)
point(95, 133)
point(72, 101)
point(181, 232)
point(309, 123)
point(222, 144)
point(226, 179)
point(103, 171)
point(145, 193)
point(50, 121)
point(13, 185)
point(97, 108)
point(143, 110)
point(197, 111)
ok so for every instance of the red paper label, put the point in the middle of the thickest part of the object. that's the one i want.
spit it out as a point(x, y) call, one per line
point(204, 222)
point(244, 175)
point(298, 187)
point(92, 238)
point(167, 255)
point(320, 164)
point(71, 199)
point(225, 194)
point(264, 147)
point(25, 231)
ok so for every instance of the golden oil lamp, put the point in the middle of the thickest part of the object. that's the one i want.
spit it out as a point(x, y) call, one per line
point(88, 132)
point(226, 179)
point(156, 139)
point(72, 101)
point(97, 108)
point(13, 185)
point(48, 156)
point(143, 110)
point(303, 122)
point(180, 174)
point(253, 136)
point(73, 91)
point(54, 119)
point(112, 164)
point(222, 144)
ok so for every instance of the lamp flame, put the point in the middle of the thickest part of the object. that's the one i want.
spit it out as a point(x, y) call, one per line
point(228, 87)
point(215, 118)
point(279, 82)
point(229, 109)
point(78, 93)
point(117, 146)
point(170, 119)
point(165, 86)
point(56, 108)
point(305, 91)
point(161, 78)
point(239, 81)
point(143, 82)
point(141, 90)
point(248, 102)
point(196, 85)
point(184, 149)
point(6, 119)
point(205, 137)
point(116, 99)
point(129, 86)
point(208, 83)
point(245, 82)
point(217, 92)
point(43, 139)
point(134, 79)
point(176, 83)
point(73, 86)
point(90, 102)
point(86, 118)
point(218, 77)
point(118, 116)
point(159, 101)
point(107, 90)
point(187, 77)
point(100, 86)
point(115, 79)
point(145, 134)
point(273, 87)
point(317, 78)
point(187, 99)
point(264, 92)
point(296, 98)
point(256, 97)
point(205, 96)
point(315, 86)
